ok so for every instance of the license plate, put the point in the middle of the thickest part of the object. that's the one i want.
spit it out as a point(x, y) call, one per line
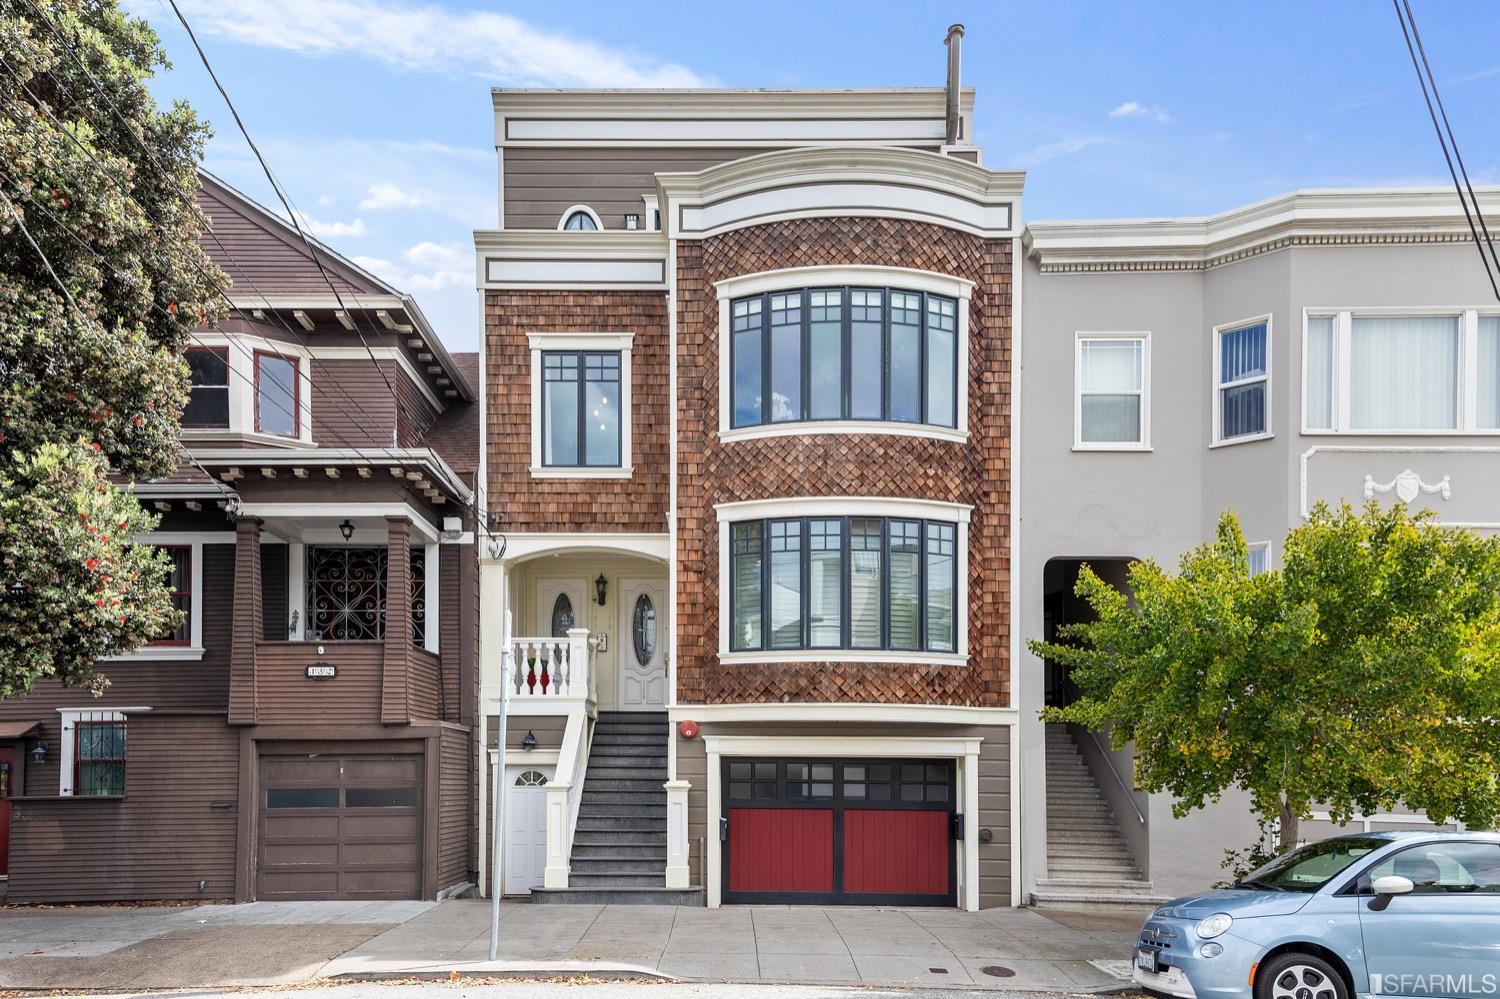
point(1146, 960)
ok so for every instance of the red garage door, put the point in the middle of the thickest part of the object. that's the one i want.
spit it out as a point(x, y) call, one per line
point(856, 832)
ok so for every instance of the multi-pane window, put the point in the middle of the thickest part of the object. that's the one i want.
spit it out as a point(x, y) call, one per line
point(180, 584)
point(844, 354)
point(208, 400)
point(1111, 401)
point(1389, 373)
point(843, 583)
point(346, 593)
point(581, 408)
point(98, 758)
point(276, 395)
point(1243, 381)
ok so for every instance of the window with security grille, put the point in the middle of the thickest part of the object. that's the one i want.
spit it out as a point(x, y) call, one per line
point(98, 758)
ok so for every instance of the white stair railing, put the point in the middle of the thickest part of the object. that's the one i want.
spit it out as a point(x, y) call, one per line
point(565, 793)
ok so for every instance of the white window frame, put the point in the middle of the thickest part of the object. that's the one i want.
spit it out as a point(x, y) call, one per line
point(568, 213)
point(193, 650)
point(1343, 337)
point(241, 351)
point(1219, 385)
point(1260, 546)
point(1144, 336)
point(847, 506)
point(607, 342)
point(797, 278)
point(67, 752)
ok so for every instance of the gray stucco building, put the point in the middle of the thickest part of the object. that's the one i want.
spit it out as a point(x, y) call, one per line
point(1321, 345)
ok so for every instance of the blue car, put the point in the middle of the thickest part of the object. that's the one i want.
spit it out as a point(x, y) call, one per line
point(1412, 914)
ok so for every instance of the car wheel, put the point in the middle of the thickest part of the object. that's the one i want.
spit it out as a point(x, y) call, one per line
point(1299, 976)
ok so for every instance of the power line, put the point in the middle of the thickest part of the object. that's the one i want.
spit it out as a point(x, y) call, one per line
point(280, 194)
point(1408, 23)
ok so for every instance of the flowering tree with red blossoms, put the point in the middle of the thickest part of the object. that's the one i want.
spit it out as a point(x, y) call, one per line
point(102, 280)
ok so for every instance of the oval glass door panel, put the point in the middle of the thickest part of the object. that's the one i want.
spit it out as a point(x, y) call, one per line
point(643, 629)
point(562, 616)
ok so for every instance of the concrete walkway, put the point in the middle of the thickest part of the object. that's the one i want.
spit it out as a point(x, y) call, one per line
point(121, 948)
point(1003, 949)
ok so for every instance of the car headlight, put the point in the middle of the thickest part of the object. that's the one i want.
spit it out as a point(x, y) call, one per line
point(1215, 925)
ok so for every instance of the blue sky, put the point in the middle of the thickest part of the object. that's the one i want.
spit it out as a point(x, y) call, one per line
point(375, 113)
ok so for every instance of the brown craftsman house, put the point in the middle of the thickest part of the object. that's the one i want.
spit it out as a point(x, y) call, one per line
point(747, 358)
point(308, 731)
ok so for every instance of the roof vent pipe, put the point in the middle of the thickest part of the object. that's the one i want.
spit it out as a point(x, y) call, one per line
point(955, 42)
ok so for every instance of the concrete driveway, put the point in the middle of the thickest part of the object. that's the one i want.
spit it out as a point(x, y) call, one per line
point(270, 943)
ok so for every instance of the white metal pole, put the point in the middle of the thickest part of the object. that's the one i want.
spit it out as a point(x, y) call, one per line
point(498, 789)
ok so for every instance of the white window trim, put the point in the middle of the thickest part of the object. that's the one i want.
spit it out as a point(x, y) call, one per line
point(847, 506)
point(1144, 336)
point(568, 213)
point(432, 568)
point(621, 342)
point(1219, 385)
point(241, 350)
point(1343, 336)
point(193, 650)
point(68, 751)
point(796, 278)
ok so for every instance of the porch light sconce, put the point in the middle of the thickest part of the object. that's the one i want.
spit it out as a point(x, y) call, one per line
point(346, 529)
point(601, 585)
point(529, 743)
point(39, 752)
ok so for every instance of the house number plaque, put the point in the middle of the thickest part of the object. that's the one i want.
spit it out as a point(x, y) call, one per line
point(321, 671)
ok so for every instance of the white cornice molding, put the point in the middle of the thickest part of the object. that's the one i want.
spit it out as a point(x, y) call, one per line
point(828, 181)
point(892, 102)
point(1298, 218)
point(564, 260)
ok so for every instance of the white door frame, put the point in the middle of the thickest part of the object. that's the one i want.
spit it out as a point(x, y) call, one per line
point(512, 772)
point(625, 643)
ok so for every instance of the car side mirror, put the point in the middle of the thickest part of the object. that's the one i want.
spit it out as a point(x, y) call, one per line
point(1387, 888)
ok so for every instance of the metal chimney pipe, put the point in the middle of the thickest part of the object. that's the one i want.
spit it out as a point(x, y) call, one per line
point(955, 42)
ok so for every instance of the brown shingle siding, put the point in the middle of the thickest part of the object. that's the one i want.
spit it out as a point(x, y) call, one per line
point(976, 473)
point(526, 504)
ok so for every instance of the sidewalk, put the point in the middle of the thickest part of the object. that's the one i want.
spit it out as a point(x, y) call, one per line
point(1004, 949)
point(272, 943)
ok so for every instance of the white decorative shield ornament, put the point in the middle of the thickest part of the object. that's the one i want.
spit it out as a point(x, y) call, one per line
point(1408, 486)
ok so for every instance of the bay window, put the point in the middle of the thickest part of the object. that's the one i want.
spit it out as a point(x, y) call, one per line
point(843, 353)
point(276, 395)
point(834, 582)
point(1111, 398)
point(1386, 372)
point(208, 399)
point(1242, 380)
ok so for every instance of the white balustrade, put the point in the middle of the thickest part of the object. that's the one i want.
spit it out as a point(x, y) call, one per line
point(549, 667)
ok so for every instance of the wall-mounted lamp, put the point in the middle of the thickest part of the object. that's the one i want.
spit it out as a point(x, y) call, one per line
point(39, 752)
point(632, 221)
point(346, 529)
point(601, 585)
point(529, 743)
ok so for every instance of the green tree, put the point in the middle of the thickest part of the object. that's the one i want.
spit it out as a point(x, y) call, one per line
point(97, 196)
point(1363, 673)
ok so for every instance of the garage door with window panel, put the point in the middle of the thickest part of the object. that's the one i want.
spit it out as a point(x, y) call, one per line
point(340, 827)
point(853, 832)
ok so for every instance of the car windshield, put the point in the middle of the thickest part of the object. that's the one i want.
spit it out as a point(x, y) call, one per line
point(1310, 867)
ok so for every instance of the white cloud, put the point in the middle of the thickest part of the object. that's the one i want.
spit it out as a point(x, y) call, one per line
point(428, 254)
point(1132, 109)
point(1052, 150)
point(433, 267)
point(377, 266)
point(429, 38)
point(325, 230)
point(385, 196)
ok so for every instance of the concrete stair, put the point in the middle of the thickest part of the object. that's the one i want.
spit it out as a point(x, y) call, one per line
point(620, 843)
point(1087, 859)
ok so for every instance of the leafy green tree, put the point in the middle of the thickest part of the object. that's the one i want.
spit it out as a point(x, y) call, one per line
point(97, 197)
point(1363, 673)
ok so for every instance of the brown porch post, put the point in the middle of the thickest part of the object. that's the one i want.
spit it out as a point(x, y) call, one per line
point(395, 708)
point(248, 627)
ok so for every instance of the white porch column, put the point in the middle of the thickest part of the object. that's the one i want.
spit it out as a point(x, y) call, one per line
point(678, 875)
point(580, 666)
point(556, 873)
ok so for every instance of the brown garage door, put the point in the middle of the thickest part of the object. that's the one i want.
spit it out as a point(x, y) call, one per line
point(336, 827)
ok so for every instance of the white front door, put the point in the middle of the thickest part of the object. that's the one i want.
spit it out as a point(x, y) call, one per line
point(642, 645)
point(525, 829)
point(559, 606)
